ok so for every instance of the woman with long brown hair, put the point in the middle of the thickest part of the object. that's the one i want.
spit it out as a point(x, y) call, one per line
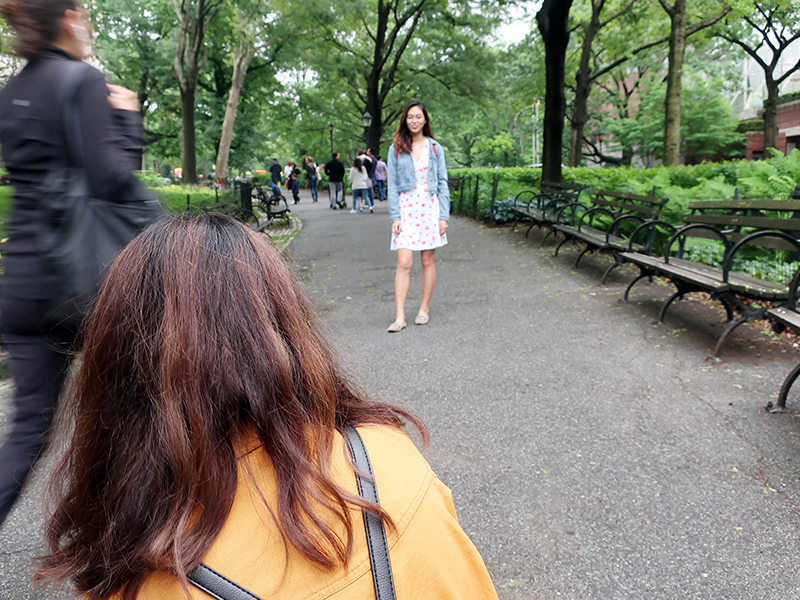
point(419, 206)
point(206, 424)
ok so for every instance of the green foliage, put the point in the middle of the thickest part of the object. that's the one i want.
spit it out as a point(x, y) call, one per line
point(6, 203)
point(750, 125)
point(786, 98)
point(175, 197)
point(773, 178)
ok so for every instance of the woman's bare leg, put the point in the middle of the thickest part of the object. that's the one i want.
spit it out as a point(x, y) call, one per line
point(428, 279)
point(405, 259)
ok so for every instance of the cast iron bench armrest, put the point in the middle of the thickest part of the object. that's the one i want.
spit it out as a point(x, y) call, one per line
point(613, 229)
point(728, 262)
point(646, 225)
point(682, 233)
point(590, 213)
point(571, 206)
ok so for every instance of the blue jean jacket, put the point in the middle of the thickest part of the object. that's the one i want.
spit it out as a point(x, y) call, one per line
point(400, 177)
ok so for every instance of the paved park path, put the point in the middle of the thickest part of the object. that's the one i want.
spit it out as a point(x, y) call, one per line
point(593, 454)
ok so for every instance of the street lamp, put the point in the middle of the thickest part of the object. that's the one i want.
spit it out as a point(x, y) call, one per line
point(330, 130)
point(366, 119)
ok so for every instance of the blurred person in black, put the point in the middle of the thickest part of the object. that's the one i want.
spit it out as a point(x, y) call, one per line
point(50, 34)
point(334, 169)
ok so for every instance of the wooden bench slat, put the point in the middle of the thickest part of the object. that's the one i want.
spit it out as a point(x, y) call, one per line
point(746, 221)
point(785, 205)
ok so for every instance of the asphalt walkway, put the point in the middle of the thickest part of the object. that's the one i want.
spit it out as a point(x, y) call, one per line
point(592, 453)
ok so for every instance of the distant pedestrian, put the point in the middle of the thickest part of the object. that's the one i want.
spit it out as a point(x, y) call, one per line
point(334, 169)
point(287, 173)
point(311, 175)
point(380, 178)
point(360, 183)
point(419, 206)
point(276, 172)
point(294, 185)
point(371, 166)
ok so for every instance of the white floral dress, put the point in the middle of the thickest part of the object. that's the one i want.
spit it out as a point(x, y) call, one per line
point(419, 212)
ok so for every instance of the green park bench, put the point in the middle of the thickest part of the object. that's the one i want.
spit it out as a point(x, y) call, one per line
point(607, 226)
point(542, 208)
point(734, 225)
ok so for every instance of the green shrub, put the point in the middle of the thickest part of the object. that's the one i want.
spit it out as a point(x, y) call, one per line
point(750, 125)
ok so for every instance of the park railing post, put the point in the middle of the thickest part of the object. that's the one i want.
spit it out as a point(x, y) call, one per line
point(475, 197)
point(494, 196)
point(188, 202)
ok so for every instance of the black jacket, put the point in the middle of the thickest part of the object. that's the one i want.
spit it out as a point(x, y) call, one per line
point(33, 141)
point(334, 169)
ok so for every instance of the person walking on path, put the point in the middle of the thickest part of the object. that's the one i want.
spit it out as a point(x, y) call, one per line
point(180, 455)
point(50, 35)
point(380, 179)
point(361, 184)
point(334, 169)
point(419, 206)
point(311, 174)
point(294, 185)
point(275, 173)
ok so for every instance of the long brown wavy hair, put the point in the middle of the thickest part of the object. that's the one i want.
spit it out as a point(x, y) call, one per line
point(200, 335)
point(402, 137)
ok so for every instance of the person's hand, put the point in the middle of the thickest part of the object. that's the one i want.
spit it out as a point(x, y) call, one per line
point(442, 227)
point(397, 227)
point(122, 98)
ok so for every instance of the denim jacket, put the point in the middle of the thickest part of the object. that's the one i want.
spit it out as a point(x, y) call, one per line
point(400, 177)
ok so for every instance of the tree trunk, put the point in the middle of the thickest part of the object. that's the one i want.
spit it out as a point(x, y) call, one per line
point(188, 142)
point(672, 104)
point(553, 25)
point(580, 111)
point(243, 54)
point(193, 16)
point(771, 115)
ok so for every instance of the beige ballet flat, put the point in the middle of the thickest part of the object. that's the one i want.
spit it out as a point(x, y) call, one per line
point(421, 320)
point(396, 326)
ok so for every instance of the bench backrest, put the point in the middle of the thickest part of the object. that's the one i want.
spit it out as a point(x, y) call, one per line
point(624, 202)
point(561, 189)
point(737, 218)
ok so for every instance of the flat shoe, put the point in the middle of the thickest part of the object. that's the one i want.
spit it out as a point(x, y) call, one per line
point(396, 326)
point(421, 320)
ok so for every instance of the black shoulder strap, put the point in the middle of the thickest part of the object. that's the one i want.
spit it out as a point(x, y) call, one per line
point(376, 534)
point(70, 73)
point(220, 587)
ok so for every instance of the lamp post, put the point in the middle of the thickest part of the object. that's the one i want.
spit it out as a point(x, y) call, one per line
point(330, 130)
point(366, 119)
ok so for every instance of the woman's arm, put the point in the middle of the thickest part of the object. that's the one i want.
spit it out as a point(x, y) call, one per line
point(443, 188)
point(111, 138)
point(392, 194)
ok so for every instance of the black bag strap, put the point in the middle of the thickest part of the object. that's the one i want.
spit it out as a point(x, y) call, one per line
point(376, 534)
point(220, 587)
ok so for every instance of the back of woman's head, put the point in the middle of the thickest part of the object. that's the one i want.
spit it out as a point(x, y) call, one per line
point(200, 337)
point(36, 23)
point(357, 164)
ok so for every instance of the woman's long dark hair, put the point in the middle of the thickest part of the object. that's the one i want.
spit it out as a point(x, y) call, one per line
point(199, 338)
point(402, 137)
point(358, 164)
point(35, 22)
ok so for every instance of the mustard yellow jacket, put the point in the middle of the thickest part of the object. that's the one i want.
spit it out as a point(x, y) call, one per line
point(431, 556)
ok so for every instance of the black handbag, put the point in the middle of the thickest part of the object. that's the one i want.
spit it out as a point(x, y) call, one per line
point(220, 587)
point(78, 235)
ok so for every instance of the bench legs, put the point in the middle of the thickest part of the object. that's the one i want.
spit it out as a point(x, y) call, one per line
point(643, 272)
point(748, 314)
point(617, 263)
point(552, 232)
point(787, 385)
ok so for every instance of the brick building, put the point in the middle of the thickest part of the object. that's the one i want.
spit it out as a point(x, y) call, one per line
point(788, 121)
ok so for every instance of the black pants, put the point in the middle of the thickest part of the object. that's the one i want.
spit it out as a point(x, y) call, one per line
point(38, 362)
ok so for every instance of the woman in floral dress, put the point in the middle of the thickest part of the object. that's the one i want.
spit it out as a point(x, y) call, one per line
point(419, 206)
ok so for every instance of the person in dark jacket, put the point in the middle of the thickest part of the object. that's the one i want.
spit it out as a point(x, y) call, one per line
point(334, 169)
point(276, 171)
point(294, 185)
point(50, 33)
